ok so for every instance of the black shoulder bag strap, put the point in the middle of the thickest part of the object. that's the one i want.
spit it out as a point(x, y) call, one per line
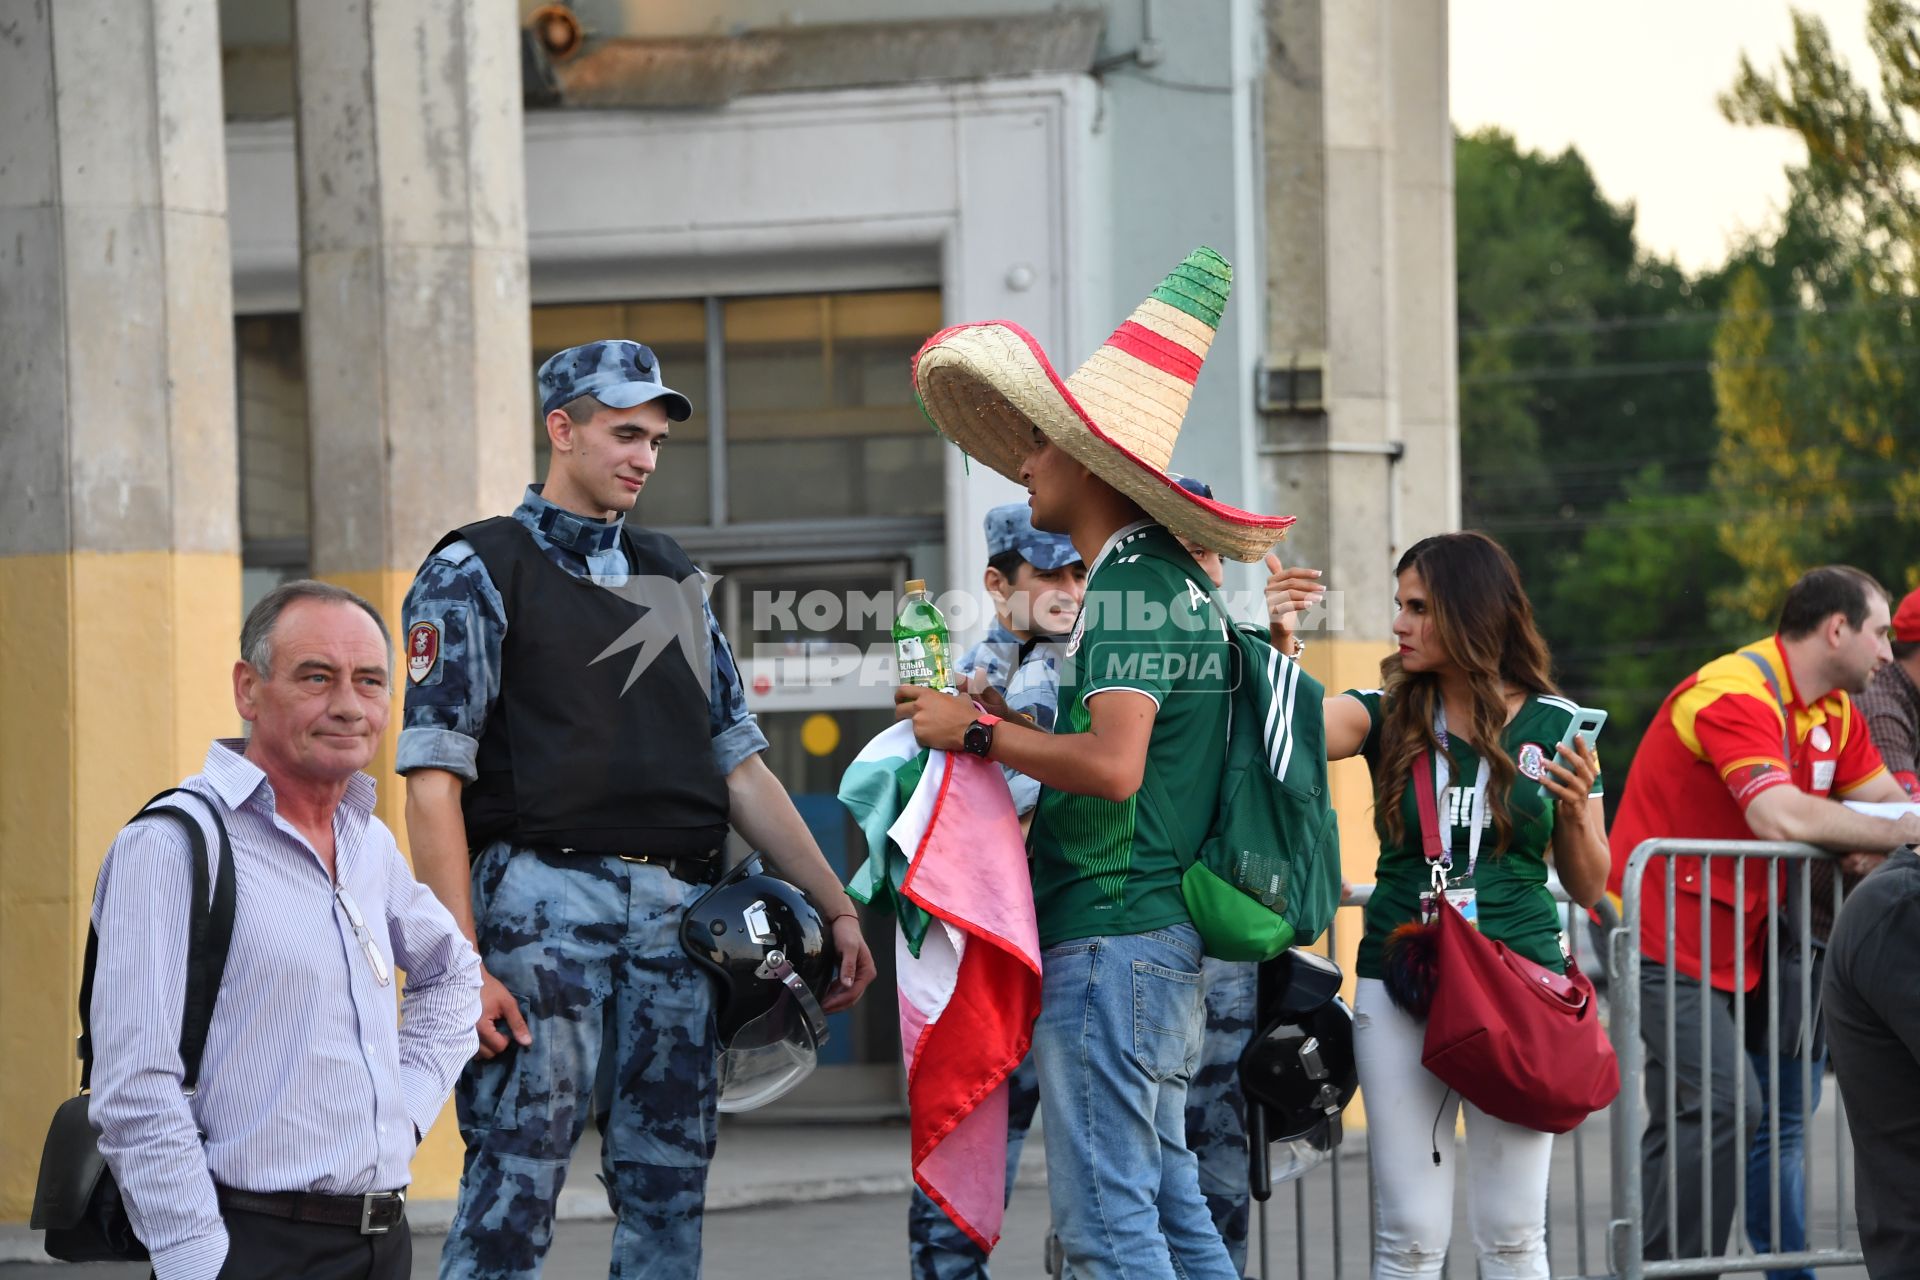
point(209, 936)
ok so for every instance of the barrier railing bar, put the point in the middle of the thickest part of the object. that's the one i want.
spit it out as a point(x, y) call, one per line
point(1740, 1132)
point(1752, 1262)
point(1623, 988)
point(1579, 1167)
point(1627, 1230)
point(1672, 1072)
point(1807, 1046)
point(1706, 1041)
point(1841, 1135)
point(1773, 1057)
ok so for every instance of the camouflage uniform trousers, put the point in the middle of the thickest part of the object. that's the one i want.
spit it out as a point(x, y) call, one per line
point(1216, 1134)
point(590, 948)
point(1216, 1109)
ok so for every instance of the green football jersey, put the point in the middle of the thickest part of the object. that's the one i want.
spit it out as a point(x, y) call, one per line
point(1510, 884)
point(1102, 867)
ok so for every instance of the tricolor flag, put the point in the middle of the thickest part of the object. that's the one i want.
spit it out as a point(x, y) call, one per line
point(969, 994)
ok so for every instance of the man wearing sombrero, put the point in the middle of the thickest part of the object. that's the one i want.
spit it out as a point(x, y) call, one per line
point(1132, 774)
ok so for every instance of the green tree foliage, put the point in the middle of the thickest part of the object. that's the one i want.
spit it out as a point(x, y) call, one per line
point(1819, 457)
point(1587, 426)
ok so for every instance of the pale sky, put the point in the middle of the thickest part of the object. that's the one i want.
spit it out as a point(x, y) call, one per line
point(1632, 84)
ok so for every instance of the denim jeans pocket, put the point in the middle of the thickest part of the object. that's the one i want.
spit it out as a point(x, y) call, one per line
point(1165, 1002)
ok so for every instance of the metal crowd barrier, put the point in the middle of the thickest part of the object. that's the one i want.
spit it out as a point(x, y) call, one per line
point(1628, 1229)
point(1607, 1236)
point(1589, 1233)
point(1327, 1203)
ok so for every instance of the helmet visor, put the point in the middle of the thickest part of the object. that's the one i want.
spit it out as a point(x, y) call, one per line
point(1289, 1160)
point(777, 1050)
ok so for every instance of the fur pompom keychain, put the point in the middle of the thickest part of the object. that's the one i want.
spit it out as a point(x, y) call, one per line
point(1410, 956)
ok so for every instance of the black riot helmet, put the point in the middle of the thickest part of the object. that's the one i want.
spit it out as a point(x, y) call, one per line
point(1299, 1067)
point(771, 959)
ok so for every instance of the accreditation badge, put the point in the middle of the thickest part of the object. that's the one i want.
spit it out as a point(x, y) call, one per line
point(1463, 901)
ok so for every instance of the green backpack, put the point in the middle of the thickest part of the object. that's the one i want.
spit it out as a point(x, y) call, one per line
point(1267, 875)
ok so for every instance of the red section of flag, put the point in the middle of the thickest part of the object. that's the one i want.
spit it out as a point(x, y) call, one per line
point(970, 871)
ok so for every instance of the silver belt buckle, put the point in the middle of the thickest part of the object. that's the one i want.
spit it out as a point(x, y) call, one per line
point(366, 1211)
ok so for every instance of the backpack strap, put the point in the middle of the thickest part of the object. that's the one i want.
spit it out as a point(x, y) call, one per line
point(209, 938)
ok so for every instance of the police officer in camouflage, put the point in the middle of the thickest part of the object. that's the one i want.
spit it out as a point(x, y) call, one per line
point(576, 744)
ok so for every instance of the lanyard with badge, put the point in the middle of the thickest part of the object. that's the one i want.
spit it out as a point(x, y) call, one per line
point(1438, 834)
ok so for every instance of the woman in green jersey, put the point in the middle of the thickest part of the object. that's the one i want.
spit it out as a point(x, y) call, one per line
point(1468, 695)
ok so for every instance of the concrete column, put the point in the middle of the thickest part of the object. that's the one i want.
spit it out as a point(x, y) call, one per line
point(1426, 310)
point(414, 298)
point(1359, 219)
point(119, 533)
point(413, 278)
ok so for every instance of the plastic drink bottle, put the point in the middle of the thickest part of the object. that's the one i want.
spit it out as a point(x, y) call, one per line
point(920, 641)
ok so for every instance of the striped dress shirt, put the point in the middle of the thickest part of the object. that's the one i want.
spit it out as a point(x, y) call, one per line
point(308, 1082)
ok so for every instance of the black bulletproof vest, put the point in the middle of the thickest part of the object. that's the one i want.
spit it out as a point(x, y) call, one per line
point(572, 755)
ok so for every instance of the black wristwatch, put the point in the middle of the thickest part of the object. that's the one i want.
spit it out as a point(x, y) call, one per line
point(978, 740)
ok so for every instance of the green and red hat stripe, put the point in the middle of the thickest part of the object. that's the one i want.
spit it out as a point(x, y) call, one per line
point(1196, 288)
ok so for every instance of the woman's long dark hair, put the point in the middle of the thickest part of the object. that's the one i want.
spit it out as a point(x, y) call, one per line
point(1482, 619)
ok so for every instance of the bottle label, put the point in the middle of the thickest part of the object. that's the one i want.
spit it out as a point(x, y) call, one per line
point(923, 661)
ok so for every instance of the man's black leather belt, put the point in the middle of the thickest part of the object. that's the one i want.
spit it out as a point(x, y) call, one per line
point(694, 868)
point(373, 1214)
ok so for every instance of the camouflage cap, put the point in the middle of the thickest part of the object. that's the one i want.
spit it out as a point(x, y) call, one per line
point(615, 372)
point(1010, 528)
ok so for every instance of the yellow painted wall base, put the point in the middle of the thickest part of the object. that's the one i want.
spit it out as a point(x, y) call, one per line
point(1340, 665)
point(114, 673)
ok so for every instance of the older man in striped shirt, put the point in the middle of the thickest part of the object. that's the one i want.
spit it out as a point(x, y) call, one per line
point(291, 1157)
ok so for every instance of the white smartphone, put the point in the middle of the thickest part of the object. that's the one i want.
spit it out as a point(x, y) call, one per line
point(1585, 725)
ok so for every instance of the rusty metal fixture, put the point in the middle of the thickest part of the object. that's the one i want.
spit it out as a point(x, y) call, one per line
point(701, 71)
point(557, 29)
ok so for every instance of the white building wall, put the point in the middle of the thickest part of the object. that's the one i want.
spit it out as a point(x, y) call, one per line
point(985, 190)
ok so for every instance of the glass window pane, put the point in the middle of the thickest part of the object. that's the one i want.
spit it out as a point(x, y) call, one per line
point(270, 373)
point(677, 333)
point(821, 420)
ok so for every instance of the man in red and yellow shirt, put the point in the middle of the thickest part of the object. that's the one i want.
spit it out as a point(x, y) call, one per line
point(1727, 760)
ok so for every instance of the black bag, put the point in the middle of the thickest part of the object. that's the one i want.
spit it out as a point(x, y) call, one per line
point(77, 1202)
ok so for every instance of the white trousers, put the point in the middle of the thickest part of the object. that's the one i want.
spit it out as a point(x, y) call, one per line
point(1506, 1164)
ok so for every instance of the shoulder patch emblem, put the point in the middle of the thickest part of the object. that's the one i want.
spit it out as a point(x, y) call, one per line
point(423, 650)
point(1532, 760)
point(1820, 738)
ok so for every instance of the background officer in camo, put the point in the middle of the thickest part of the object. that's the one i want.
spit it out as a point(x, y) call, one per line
point(574, 721)
point(1037, 583)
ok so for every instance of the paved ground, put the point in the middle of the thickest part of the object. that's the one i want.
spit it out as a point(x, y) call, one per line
point(818, 1203)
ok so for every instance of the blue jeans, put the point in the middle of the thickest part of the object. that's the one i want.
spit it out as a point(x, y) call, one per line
point(938, 1250)
point(1793, 1163)
point(1117, 1041)
point(590, 948)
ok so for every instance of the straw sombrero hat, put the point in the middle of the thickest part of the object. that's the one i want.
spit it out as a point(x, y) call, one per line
point(987, 386)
